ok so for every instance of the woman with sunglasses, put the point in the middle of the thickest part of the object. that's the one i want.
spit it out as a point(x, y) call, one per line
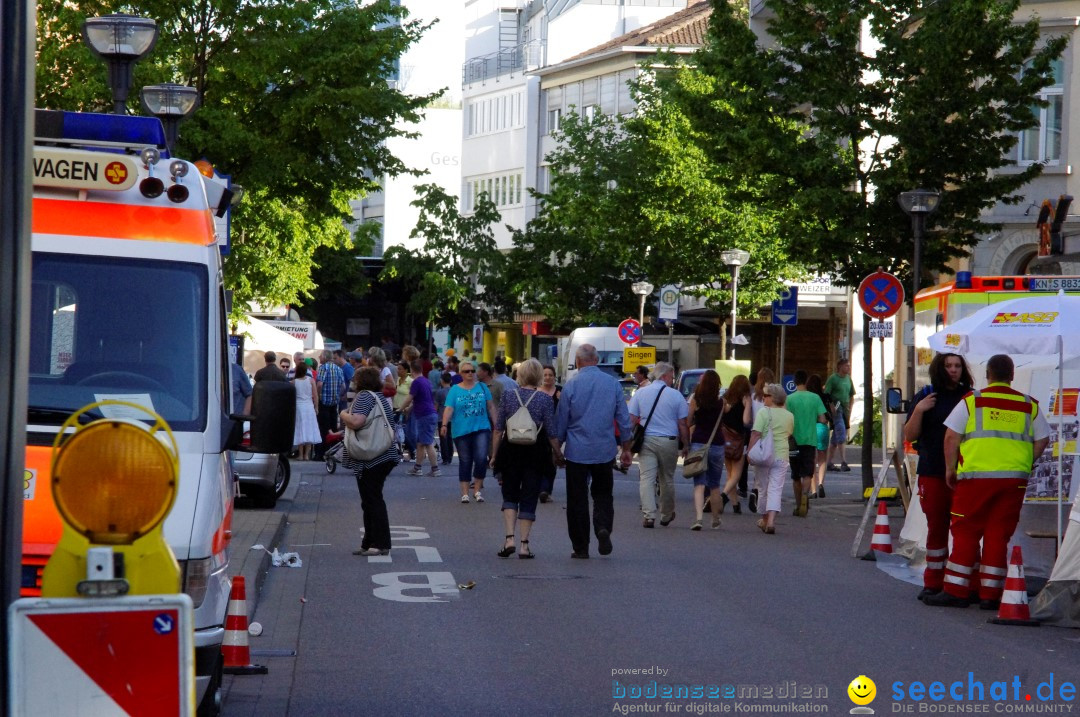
point(471, 413)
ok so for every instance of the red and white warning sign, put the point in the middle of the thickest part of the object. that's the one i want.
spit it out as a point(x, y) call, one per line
point(115, 656)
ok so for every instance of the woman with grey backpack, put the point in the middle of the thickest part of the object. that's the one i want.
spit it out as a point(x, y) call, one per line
point(519, 452)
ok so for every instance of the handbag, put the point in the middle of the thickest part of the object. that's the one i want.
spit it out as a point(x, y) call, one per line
point(762, 452)
point(372, 439)
point(734, 443)
point(697, 462)
point(639, 429)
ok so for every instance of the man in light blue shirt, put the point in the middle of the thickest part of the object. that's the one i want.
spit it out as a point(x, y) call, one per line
point(663, 411)
point(590, 408)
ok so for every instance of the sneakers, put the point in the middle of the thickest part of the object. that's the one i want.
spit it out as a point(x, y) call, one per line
point(804, 506)
point(478, 497)
point(753, 500)
point(716, 522)
point(845, 468)
point(821, 491)
point(544, 496)
point(737, 508)
point(435, 472)
point(416, 470)
point(667, 522)
point(833, 467)
point(696, 525)
point(647, 523)
point(465, 499)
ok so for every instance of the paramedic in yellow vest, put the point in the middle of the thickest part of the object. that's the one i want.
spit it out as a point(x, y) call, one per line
point(993, 436)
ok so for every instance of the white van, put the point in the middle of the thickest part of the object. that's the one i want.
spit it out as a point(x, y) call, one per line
point(127, 303)
point(608, 345)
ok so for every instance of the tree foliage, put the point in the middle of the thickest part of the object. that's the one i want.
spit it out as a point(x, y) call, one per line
point(636, 198)
point(294, 105)
point(834, 132)
point(447, 276)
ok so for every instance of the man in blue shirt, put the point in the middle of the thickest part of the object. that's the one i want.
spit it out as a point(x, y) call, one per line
point(331, 382)
point(591, 406)
point(347, 374)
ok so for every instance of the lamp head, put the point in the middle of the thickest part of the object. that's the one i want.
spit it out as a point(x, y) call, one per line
point(120, 37)
point(919, 201)
point(735, 257)
point(642, 288)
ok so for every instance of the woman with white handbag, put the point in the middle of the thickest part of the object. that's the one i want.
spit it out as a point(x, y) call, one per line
point(372, 409)
point(776, 423)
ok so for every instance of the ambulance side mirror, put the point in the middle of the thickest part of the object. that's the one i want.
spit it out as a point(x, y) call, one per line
point(894, 401)
point(273, 413)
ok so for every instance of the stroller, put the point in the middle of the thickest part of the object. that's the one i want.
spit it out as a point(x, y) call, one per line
point(335, 451)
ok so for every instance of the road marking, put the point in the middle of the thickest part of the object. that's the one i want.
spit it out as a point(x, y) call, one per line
point(424, 554)
point(392, 587)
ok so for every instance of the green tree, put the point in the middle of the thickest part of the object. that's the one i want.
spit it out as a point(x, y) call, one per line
point(637, 198)
point(446, 278)
point(295, 106)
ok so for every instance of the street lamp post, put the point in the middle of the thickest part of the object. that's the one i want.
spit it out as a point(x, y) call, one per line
point(734, 258)
point(917, 204)
point(120, 40)
point(171, 104)
point(642, 289)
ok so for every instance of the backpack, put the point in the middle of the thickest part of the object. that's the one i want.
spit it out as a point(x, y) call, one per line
point(521, 428)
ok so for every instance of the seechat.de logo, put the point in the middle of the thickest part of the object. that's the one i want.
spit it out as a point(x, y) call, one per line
point(1034, 317)
point(953, 339)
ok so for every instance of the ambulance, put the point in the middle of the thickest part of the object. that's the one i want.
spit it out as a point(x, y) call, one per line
point(127, 303)
point(940, 306)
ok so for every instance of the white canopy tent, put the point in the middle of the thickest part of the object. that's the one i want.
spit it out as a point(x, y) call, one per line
point(260, 337)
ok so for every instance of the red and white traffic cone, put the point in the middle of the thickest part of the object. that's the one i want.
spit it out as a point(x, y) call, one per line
point(234, 647)
point(882, 540)
point(1014, 600)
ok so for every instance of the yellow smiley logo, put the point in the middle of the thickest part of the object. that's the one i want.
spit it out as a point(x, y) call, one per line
point(862, 690)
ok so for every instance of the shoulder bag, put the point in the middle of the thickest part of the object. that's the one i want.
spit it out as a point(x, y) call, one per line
point(372, 439)
point(762, 452)
point(639, 429)
point(698, 461)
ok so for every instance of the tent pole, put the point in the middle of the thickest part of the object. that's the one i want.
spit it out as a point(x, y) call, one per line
point(1061, 434)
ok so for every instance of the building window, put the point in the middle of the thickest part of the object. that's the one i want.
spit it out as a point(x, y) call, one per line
point(1042, 143)
point(554, 120)
point(590, 112)
point(608, 85)
point(504, 190)
point(626, 99)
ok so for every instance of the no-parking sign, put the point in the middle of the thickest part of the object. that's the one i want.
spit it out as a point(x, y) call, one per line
point(880, 295)
point(630, 331)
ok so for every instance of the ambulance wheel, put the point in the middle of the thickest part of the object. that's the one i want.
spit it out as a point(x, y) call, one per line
point(281, 478)
point(210, 706)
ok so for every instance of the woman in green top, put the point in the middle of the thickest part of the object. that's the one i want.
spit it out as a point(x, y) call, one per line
point(782, 423)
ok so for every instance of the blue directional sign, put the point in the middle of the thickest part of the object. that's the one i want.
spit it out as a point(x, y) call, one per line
point(789, 383)
point(785, 310)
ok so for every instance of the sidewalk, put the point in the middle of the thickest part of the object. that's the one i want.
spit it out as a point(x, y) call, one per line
point(258, 527)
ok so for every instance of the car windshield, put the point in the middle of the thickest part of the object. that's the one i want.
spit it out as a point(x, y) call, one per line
point(688, 383)
point(114, 328)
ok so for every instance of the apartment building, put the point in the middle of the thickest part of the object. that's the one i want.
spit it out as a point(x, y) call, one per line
point(507, 43)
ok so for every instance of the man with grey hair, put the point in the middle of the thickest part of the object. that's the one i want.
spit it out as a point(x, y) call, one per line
point(591, 403)
point(663, 412)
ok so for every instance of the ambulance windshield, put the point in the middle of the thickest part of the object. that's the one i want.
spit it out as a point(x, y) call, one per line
point(118, 328)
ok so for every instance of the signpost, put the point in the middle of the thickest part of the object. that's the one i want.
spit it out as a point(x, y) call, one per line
point(669, 314)
point(881, 296)
point(785, 312)
point(630, 331)
point(634, 356)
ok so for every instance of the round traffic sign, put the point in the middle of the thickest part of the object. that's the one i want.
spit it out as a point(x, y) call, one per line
point(880, 295)
point(630, 331)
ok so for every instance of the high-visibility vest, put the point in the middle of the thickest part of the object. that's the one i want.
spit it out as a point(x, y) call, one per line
point(999, 435)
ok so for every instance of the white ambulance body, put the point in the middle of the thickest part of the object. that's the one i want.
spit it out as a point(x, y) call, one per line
point(127, 303)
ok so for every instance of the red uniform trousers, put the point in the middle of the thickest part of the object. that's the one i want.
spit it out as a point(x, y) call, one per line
point(936, 498)
point(987, 508)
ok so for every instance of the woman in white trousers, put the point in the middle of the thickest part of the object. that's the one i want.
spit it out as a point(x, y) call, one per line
point(770, 482)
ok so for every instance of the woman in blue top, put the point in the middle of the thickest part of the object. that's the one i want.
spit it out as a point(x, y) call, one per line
point(471, 412)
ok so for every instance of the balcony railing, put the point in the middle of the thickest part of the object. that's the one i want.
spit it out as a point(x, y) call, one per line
point(526, 56)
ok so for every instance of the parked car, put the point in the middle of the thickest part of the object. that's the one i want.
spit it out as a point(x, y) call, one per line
point(628, 388)
point(688, 381)
point(263, 476)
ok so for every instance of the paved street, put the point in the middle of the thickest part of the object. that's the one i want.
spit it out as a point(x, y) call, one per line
point(733, 608)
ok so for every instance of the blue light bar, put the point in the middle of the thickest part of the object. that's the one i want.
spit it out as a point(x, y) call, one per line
point(76, 127)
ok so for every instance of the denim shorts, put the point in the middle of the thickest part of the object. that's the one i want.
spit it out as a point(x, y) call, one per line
point(425, 429)
point(712, 475)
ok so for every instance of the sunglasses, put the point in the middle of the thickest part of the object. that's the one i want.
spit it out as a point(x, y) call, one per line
point(468, 371)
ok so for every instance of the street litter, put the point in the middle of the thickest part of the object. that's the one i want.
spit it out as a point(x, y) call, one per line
point(467, 586)
point(288, 560)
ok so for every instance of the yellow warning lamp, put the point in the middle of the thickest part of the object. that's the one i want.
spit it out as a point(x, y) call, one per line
point(114, 481)
point(205, 168)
